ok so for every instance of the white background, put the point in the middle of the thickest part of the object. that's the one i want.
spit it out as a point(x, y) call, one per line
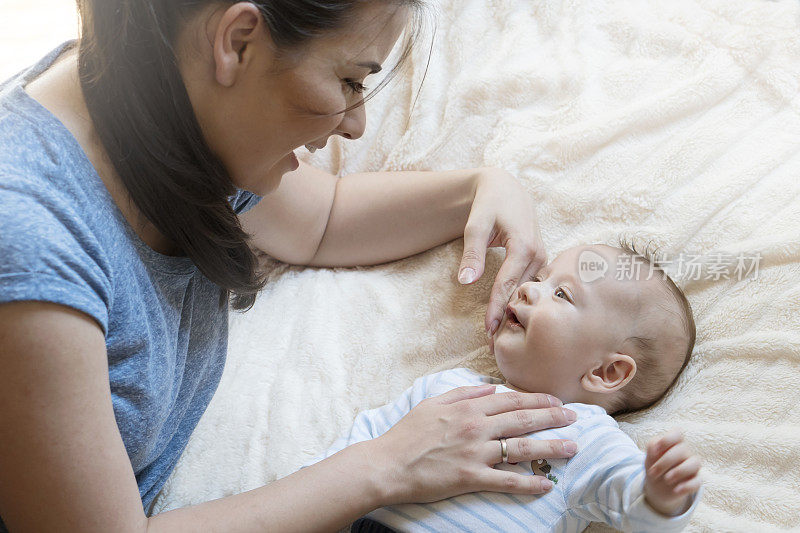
point(31, 28)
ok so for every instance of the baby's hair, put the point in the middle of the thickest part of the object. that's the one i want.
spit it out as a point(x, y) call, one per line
point(647, 385)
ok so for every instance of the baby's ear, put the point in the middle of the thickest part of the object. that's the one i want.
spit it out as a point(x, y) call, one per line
point(610, 375)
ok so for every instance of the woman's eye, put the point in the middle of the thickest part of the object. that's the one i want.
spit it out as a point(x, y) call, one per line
point(561, 293)
point(355, 86)
point(537, 279)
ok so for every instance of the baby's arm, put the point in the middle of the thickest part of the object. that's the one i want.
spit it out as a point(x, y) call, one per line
point(608, 485)
point(672, 474)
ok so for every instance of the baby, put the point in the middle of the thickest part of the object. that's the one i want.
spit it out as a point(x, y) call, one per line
point(607, 332)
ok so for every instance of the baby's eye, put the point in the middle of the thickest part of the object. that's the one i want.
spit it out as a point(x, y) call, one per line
point(561, 293)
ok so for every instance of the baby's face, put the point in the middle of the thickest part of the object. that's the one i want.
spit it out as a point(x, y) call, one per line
point(557, 327)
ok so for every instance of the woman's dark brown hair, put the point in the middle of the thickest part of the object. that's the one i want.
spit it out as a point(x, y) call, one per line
point(143, 117)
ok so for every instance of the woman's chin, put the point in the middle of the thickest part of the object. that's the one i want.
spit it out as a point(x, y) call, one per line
point(270, 182)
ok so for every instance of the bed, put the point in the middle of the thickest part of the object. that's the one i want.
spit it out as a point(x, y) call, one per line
point(676, 123)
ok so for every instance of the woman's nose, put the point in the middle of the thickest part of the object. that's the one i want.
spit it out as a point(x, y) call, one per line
point(353, 123)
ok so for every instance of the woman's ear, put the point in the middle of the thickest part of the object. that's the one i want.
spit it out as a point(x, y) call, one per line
point(237, 29)
point(610, 375)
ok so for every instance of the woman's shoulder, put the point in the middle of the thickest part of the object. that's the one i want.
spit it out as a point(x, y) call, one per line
point(53, 209)
point(50, 253)
point(49, 204)
point(50, 221)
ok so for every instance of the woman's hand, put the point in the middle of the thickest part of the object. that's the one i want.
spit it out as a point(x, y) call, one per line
point(447, 445)
point(502, 214)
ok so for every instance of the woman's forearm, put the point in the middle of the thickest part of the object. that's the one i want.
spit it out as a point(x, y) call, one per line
point(378, 217)
point(326, 496)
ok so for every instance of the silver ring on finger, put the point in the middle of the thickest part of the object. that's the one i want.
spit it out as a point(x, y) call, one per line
point(504, 450)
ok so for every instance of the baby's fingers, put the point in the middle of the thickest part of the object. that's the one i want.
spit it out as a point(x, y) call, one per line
point(509, 482)
point(689, 468)
point(672, 457)
point(689, 487)
point(658, 446)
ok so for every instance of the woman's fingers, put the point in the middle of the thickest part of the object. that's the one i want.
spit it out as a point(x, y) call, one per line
point(464, 393)
point(446, 445)
point(502, 214)
point(524, 421)
point(476, 240)
point(504, 402)
point(506, 282)
point(510, 482)
point(530, 272)
point(524, 449)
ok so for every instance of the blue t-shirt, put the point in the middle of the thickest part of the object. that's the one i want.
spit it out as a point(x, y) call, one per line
point(64, 240)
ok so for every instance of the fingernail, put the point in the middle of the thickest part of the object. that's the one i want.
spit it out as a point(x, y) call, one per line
point(547, 484)
point(570, 447)
point(493, 328)
point(571, 416)
point(554, 402)
point(467, 275)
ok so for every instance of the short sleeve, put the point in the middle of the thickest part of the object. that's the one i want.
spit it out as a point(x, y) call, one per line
point(243, 201)
point(49, 255)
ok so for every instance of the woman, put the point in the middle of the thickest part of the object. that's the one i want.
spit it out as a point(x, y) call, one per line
point(124, 165)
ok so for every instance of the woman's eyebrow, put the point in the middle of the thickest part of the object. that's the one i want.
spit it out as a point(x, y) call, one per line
point(371, 65)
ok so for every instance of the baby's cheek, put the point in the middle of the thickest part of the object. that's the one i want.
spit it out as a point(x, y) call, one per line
point(547, 331)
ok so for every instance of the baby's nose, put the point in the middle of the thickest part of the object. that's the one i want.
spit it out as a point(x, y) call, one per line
point(528, 292)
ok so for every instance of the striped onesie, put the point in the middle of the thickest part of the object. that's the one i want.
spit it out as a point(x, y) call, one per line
point(603, 482)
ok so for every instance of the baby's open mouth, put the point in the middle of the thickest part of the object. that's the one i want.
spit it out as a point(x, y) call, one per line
point(512, 317)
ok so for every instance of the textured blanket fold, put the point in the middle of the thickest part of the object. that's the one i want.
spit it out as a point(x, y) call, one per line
point(675, 123)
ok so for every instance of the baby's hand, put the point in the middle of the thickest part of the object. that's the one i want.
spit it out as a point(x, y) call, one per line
point(671, 474)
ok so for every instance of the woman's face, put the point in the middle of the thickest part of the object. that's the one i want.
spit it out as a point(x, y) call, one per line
point(256, 107)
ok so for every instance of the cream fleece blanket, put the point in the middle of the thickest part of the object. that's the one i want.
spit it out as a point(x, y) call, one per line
point(674, 121)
